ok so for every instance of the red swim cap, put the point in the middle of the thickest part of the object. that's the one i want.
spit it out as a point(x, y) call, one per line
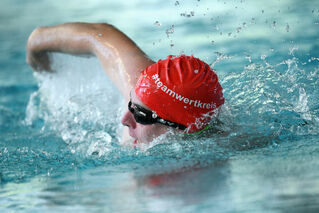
point(181, 89)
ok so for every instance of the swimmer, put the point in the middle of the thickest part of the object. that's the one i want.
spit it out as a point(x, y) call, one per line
point(179, 93)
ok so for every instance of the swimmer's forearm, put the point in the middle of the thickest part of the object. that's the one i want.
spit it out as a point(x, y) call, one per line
point(72, 38)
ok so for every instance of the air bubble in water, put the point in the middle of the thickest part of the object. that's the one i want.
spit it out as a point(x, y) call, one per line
point(213, 42)
point(176, 3)
point(244, 25)
point(238, 29)
point(229, 34)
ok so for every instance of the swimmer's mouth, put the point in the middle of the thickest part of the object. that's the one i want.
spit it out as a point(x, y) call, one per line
point(135, 143)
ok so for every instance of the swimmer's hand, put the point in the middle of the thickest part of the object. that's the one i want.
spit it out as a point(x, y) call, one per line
point(39, 61)
point(36, 57)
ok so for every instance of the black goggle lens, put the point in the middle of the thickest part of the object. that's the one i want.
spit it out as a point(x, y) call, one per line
point(144, 116)
point(141, 115)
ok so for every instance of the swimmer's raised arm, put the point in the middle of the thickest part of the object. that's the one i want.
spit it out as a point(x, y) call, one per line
point(120, 57)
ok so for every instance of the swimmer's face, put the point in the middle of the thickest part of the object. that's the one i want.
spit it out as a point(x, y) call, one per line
point(140, 132)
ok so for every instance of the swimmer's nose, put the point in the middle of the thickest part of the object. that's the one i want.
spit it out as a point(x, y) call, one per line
point(128, 120)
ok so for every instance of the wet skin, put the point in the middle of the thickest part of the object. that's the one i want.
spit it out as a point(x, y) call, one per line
point(140, 132)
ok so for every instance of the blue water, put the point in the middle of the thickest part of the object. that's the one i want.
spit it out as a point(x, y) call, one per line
point(59, 133)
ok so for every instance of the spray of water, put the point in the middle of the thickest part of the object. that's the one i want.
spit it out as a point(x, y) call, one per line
point(265, 104)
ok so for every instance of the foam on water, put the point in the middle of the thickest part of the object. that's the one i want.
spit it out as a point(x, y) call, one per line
point(79, 102)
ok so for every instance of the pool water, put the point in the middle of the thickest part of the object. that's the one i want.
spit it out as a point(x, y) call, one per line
point(59, 132)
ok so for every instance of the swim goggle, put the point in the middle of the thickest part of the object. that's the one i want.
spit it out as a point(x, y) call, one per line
point(146, 117)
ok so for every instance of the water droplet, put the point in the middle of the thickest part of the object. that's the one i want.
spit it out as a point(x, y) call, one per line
point(253, 21)
point(154, 115)
point(263, 57)
point(272, 49)
point(238, 29)
point(274, 24)
point(229, 34)
point(172, 45)
point(244, 25)
point(292, 50)
point(287, 28)
point(213, 42)
point(195, 71)
point(188, 15)
point(157, 23)
point(170, 31)
point(176, 3)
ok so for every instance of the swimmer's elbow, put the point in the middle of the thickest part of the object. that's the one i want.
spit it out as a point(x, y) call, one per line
point(102, 26)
